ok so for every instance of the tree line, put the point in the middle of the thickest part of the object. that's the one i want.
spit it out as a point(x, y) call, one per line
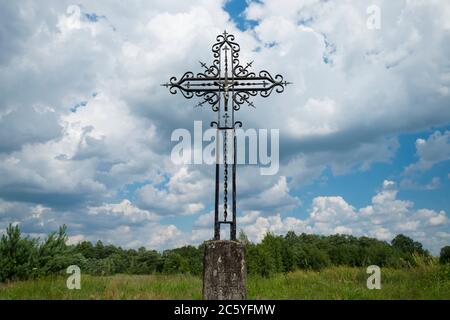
point(25, 257)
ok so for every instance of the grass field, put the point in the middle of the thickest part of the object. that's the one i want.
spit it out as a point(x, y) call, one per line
point(427, 282)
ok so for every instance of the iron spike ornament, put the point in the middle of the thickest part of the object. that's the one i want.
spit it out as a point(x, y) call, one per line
point(226, 85)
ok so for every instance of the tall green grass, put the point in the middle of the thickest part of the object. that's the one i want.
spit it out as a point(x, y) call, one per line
point(426, 281)
point(110, 287)
point(343, 283)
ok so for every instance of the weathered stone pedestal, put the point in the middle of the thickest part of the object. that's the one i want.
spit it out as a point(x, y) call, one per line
point(224, 271)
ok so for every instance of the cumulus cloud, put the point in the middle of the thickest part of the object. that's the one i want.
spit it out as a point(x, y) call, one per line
point(121, 223)
point(353, 85)
point(275, 198)
point(183, 194)
point(431, 151)
point(124, 209)
point(409, 183)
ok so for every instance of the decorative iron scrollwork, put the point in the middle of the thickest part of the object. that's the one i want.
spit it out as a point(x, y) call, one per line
point(206, 84)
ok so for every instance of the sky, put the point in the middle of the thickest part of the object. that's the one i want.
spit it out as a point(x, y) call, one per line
point(364, 130)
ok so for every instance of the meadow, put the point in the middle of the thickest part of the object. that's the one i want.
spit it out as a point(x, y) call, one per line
point(335, 283)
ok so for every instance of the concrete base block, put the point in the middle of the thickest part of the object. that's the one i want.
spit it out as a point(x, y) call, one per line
point(224, 271)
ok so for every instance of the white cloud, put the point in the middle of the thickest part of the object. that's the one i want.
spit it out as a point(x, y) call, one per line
point(38, 211)
point(75, 239)
point(205, 220)
point(345, 110)
point(275, 224)
point(325, 110)
point(162, 235)
point(331, 208)
point(276, 197)
point(438, 220)
point(183, 194)
point(431, 151)
point(249, 217)
point(409, 183)
point(444, 235)
point(124, 209)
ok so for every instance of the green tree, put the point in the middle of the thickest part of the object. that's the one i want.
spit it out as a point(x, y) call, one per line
point(86, 249)
point(260, 261)
point(289, 253)
point(311, 257)
point(272, 250)
point(144, 261)
point(407, 245)
point(444, 257)
point(99, 250)
point(18, 256)
point(55, 256)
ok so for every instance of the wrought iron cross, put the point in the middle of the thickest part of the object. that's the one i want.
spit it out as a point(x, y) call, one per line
point(226, 80)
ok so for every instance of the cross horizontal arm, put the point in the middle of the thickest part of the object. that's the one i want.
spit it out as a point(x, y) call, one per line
point(243, 84)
